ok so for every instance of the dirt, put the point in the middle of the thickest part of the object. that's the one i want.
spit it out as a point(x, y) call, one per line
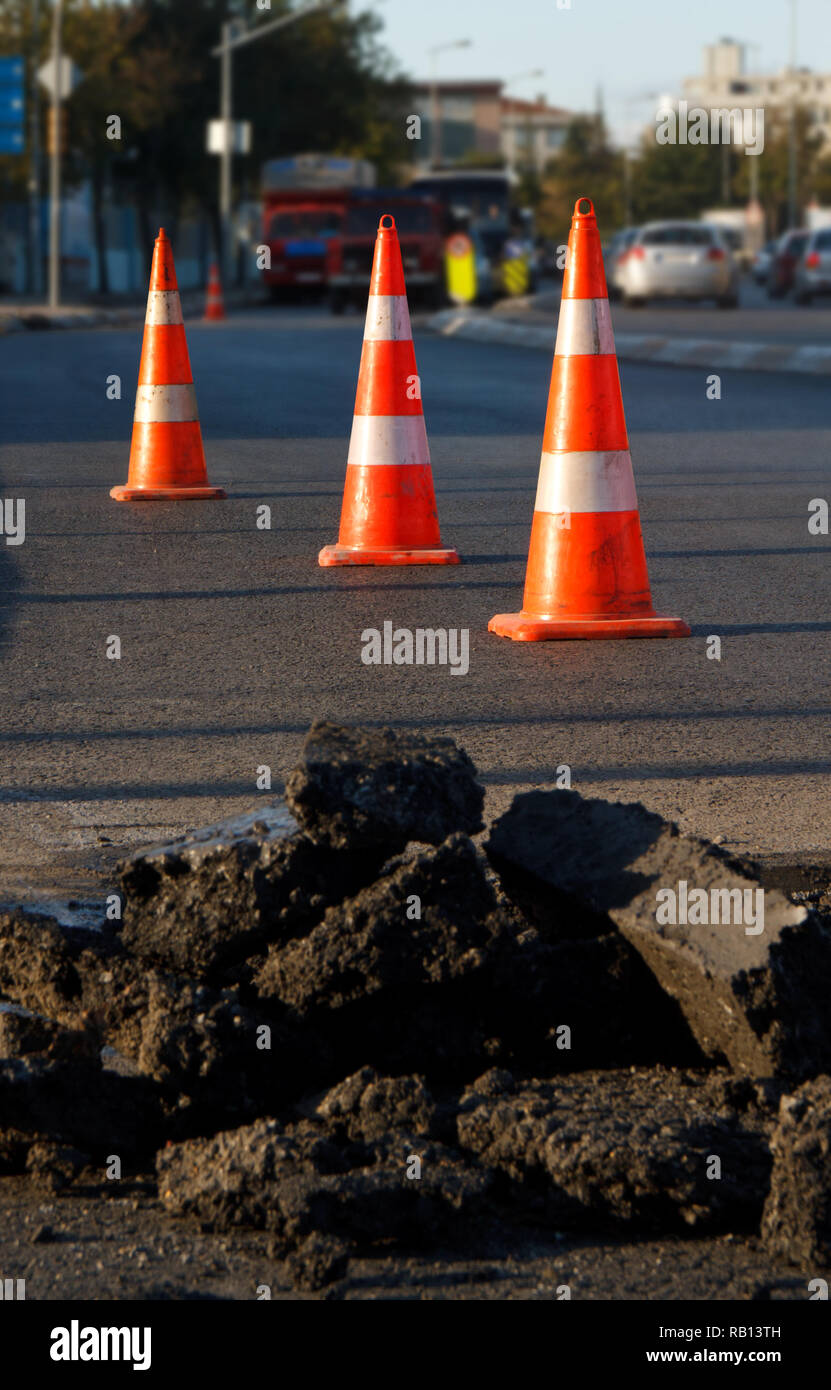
point(332, 1051)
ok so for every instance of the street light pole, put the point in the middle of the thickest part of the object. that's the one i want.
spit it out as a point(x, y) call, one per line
point(529, 125)
point(35, 266)
point(226, 102)
point(55, 164)
point(792, 144)
point(435, 105)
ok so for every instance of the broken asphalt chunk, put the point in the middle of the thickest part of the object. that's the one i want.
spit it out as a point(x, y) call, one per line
point(796, 1224)
point(750, 970)
point(218, 895)
point(665, 1149)
point(365, 787)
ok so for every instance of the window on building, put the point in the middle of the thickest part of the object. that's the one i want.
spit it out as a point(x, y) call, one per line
point(554, 138)
point(457, 108)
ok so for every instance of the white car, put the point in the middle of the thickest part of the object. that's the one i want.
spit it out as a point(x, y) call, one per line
point(679, 260)
point(813, 271)
point(613, 255)
point(761, 263)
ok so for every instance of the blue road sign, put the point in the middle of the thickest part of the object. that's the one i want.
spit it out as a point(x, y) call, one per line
point(12, 109)
point(11, 139)
point(11, 72)
point(11, 106)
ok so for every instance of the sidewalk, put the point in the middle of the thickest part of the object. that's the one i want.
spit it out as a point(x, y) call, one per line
point(16, 316)
point(531, 323)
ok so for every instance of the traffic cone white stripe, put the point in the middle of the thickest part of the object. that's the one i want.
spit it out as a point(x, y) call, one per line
point(584, 328)
point(586, 481)
point(391, 440)
point(163, 306)
point(171, 404)
point(387, 318)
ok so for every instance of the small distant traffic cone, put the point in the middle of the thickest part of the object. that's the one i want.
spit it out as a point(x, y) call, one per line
point(214, 304)
point(167, 459)
point(389, 508)
point(586, 574)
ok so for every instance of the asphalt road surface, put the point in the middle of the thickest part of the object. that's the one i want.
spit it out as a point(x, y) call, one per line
point(778, 321)
point(233, 639)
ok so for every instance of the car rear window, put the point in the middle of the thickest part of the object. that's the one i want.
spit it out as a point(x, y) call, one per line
point(677, 236)
point(823, 241)
point(362, 218)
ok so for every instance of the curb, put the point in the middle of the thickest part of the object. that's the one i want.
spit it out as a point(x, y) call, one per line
point(641, 347)
point(40, 318)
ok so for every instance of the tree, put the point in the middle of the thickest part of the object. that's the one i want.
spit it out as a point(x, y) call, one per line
point(586, 166)
point(773, 168)
point(130, 86)
point(320, 84)
point(324, 83)
point(675, 180)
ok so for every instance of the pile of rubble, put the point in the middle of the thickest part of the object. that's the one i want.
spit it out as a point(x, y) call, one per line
point(338, 1020)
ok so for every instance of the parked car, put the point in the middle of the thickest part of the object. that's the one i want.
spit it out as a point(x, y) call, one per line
point(618, 246)
point(686, 260)
point(813, 273)
point(787, 254)
point(761, 263)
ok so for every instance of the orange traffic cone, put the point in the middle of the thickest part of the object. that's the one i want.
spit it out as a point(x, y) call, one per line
point(389, 507)
point(167, 459)
point(586, 573)
point(214, 305)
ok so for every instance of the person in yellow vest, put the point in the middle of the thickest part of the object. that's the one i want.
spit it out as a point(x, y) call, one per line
point(460, 268)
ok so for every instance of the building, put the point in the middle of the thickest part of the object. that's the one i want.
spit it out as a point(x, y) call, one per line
point(532, 132)
point(475, 120)
point(725, 82)
point(468, 116)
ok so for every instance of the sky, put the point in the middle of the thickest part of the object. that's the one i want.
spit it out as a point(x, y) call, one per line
point(635, 50)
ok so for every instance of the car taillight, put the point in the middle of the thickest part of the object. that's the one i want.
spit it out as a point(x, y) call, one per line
point(715, 253)
point(812, 261)
point(637, 253)
point(334, 257)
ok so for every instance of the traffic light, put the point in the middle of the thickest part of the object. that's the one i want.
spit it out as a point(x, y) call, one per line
point(57, 131)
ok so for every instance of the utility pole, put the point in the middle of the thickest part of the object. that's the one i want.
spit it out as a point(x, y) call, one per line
point(35, 255)
point(226, 102)
point(725, 172)
point(513, 161)
point(793, 211)
point(55, 165)
point(627, 189)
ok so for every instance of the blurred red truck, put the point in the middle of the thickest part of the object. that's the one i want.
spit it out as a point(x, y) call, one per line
point(305, 199)
point(350, 250)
